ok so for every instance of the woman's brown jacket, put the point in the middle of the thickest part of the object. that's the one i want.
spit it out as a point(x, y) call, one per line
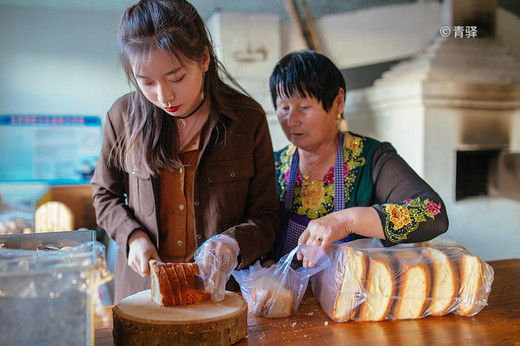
point(234, 190)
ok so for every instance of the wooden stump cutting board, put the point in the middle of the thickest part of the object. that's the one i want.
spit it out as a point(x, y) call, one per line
point(140, 321)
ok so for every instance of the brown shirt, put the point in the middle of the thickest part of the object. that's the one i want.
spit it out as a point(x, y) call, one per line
point(234, 190)
point(177, 231)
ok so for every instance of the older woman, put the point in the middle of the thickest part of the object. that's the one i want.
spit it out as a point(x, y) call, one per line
point(336, 185)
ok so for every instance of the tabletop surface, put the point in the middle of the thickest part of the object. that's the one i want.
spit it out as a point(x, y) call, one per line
point(498, 323)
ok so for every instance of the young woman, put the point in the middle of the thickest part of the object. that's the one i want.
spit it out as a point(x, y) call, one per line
point(186, 161)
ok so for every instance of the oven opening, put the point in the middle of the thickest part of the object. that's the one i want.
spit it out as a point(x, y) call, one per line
point(476, 173)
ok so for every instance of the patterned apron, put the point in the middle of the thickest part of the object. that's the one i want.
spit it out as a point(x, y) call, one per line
point(293, 224)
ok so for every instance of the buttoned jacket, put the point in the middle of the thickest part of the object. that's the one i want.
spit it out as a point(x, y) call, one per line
point(234, 191)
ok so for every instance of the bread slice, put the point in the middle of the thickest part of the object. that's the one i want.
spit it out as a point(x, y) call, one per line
point(472, 294)
point(445, 283)
point(380, 288)
point(352, 275)
point(191, 269)
point(270, 298)
point(173, 284)
point(183, 284)
point(413, 282)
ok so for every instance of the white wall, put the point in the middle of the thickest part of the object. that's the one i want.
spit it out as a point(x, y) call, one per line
point(249, 46)
point(372, 35)
point(58, 62)
point(507, 29)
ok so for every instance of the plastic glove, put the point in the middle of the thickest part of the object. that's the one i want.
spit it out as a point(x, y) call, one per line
point(217, 258)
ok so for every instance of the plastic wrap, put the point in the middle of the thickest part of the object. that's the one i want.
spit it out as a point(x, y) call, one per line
point(278, 290)
point(16, 220)
point(50, 297)
point(368, 282)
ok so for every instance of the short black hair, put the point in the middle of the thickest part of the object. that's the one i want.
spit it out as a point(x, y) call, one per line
point(306, 73)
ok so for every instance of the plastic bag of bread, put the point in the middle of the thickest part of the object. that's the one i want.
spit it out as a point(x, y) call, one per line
point(368, 282)
point(277, 291)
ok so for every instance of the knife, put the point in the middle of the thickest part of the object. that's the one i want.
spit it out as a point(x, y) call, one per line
point(199, 281)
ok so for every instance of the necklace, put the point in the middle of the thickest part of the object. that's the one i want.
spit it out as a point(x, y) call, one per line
point(305, 172)
point(181, 122)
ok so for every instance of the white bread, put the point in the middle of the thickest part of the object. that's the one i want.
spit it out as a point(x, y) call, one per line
point(173, 284)
point(402, 282)
point(413, 282)
point(472, 288)
point(270, 298)
point(352, 275)
point(445, 283)
point(380, 288)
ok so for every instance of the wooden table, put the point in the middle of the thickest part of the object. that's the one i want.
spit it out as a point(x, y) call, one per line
point(498, 323)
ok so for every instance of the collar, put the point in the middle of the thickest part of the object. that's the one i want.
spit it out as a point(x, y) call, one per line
point(193, 144)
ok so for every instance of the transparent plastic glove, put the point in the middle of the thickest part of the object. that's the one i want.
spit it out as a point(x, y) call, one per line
point(217, 258)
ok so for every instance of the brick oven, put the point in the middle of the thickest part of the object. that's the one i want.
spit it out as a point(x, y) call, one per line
point(453, 112)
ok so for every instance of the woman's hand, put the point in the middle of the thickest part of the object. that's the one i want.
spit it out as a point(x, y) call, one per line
point(217, 258)
point(338, 225)
point(323, 232)
point(141, 250)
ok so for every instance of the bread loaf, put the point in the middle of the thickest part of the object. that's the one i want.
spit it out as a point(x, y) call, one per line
point(381, 287)
point(269, 298)
point(173, 284)
point(369, 283)
point(445, 284)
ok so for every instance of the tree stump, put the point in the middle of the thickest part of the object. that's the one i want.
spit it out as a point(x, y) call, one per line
point(140, 321)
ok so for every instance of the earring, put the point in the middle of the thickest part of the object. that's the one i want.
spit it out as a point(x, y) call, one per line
point(338, 117)
point(202, 86)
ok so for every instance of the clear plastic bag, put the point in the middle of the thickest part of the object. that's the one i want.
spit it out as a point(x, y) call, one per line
point(368, 282)
point(278, 290)
point(50, 295)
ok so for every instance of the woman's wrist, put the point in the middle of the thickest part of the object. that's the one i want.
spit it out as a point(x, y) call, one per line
point(364, 221)
point(136, 234)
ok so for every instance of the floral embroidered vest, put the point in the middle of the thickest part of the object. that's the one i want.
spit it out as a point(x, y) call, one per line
point(317, 198)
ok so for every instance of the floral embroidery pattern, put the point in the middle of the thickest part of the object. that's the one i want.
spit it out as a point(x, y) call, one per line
point(399, 215)
point(405, 218)
point(316, 198)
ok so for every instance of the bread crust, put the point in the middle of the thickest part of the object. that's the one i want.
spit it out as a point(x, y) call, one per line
point(269, 298)
point(413, 281)
point(352, 275)
point(381, 287)
point(173, 284)
point(445, 283)
point(472, 285)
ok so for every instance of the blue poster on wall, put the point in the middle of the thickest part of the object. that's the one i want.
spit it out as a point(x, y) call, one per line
point(56, 149)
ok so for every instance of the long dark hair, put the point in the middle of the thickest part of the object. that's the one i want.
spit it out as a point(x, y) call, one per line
point(306, 73)
point(150, 142)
